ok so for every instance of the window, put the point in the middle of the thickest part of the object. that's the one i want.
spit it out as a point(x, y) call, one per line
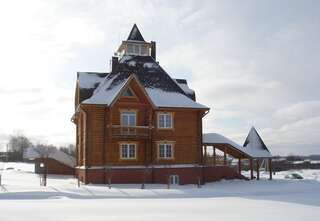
point(128, 118)
point(137, 49)
point(165, 120)
point(144, 50)
point(165, 151)
point(174, 179)
point(130, 49)
point(128, 151)
point(128, 93)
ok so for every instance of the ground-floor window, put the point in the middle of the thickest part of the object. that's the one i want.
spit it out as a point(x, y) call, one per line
point(165, 150)
point(128, 151)
point(174, 179)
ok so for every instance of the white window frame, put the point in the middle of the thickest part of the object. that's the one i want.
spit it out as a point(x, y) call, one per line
point(165, 126)
point(129, 114)
point(137, 49)
point(127, 156)
point(165, 151)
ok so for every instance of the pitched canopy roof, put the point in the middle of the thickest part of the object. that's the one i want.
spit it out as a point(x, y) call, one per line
point(135, 34)
point(214, 138)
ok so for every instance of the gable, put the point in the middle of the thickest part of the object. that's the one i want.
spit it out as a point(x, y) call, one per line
point(128, 93)
point(139, 95)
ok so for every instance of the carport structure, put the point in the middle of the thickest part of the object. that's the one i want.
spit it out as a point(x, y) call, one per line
point(253, 150)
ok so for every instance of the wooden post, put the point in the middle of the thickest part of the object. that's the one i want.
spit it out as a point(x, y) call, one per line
point(214, 156)
point(205, 154)
point(251, 169)
point(258, 167)
point(239, 166)
point(270, 169)
point(225, 157)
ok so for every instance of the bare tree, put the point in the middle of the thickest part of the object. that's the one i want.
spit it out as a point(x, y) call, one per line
point(70, 149)
point(44, 152)
point(17, 145)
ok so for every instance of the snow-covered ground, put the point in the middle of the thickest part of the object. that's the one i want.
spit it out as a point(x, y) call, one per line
point(22, 198)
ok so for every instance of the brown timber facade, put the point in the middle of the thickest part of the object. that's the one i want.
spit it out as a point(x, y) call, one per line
point(136, 124)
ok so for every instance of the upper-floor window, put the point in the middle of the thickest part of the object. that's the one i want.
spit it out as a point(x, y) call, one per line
point(137, 49)
point(165, 151)
point(128, 118)
point(165, 120)
point(128, 151)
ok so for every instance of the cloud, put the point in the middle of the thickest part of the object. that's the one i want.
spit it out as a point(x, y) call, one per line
point(252, 63)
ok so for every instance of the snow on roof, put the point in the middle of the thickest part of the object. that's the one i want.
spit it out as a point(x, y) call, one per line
point(107, 91)
point(254, 142)
point(214, 138)
point(57, 155)
point(184, 86)
point(172, 99)
point(90, 80)
point(161, 88)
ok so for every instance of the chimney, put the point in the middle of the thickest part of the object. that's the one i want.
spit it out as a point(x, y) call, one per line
point(114, 64)
point(153, 49)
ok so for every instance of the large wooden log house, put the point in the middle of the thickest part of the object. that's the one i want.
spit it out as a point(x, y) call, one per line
point(137, 124)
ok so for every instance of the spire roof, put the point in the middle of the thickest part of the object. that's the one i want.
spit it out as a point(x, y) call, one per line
point(254, 140)
point(135, 34)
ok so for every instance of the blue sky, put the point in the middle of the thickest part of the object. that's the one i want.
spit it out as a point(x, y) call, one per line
point(253, 62)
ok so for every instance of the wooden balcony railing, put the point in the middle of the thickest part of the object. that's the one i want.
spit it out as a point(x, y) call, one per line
point(130, 131)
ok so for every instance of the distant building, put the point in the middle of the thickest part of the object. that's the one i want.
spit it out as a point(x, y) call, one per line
point(58, 162)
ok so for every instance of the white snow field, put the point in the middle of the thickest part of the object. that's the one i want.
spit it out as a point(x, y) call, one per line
point(22, 198)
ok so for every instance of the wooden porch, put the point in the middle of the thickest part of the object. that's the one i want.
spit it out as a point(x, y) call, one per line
point(227, 152)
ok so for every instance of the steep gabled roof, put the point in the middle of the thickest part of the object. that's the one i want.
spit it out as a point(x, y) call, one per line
point(135, 34)
point(254, 142)
point(160, 87)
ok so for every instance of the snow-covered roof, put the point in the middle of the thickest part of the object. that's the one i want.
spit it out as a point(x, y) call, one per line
point(162, 90)
point(90, 79)
point(254, 142)
point(172, 99)
point(214, 138)
point(57, 155)
point(184, 86)
point(88, 82)
point(107, 91)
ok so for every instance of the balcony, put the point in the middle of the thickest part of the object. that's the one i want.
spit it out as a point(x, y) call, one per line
point(130, 131)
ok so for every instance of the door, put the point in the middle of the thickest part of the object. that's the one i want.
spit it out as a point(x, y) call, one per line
point(174, 179)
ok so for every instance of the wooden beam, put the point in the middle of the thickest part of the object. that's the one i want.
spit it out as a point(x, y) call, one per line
point(205, 154)
point(214, 156)
point(251, 169)
point(258, 172)
point(270, 169)
point(239, 166)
